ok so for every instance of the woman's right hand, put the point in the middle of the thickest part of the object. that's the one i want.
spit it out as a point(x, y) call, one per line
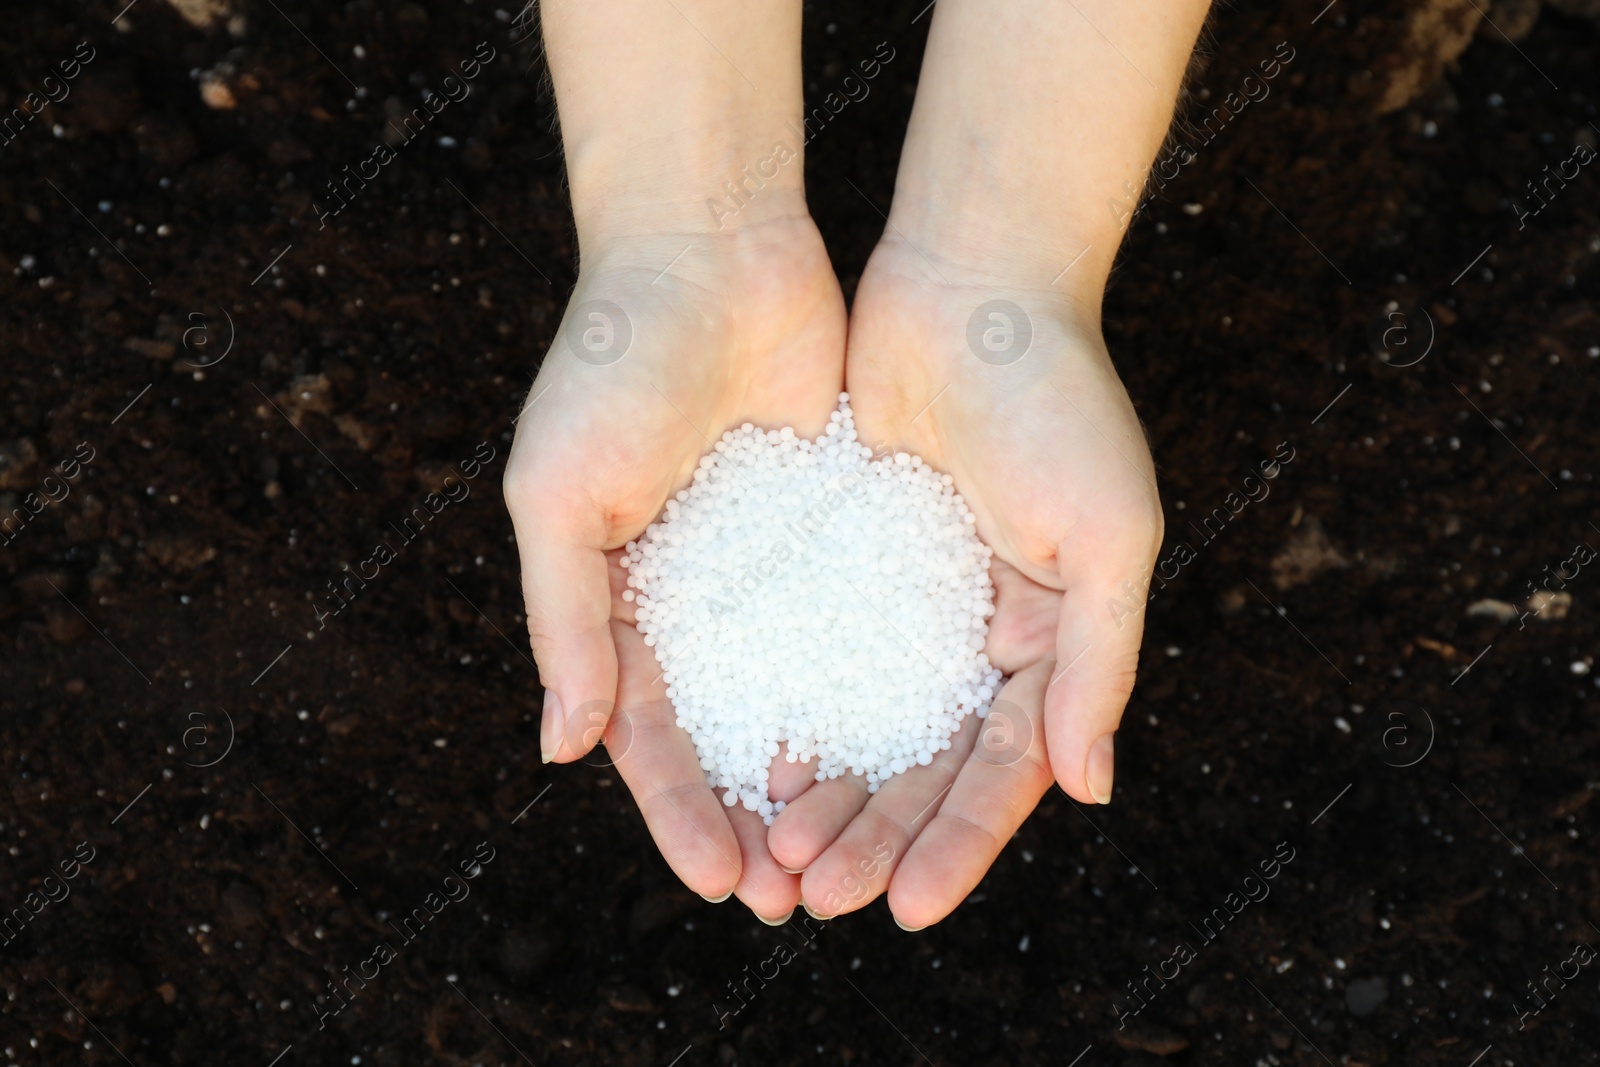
point(669, 340)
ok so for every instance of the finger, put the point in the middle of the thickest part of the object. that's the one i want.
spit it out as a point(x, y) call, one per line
point(1021, 632)
point(657, 761)
point(1106, 570)
point(814, 820)
point(1026, 616)
point(623, 606)
point(763, 886)
point(788, 780)
point(566, 589)
point(998, 787)
point(856, 868)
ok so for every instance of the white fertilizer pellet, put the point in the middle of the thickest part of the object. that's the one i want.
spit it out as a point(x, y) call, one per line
point(801, 592)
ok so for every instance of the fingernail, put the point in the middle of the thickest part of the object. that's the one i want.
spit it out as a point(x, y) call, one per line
point(908, 929)
point(778, 921)
point(814, 915)
point(785, 870)
point(717, 900)
point(1100, 768)
point(550, 727)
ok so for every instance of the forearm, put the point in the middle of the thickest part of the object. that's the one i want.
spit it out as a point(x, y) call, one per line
point(1035, 125)
point(669, 108)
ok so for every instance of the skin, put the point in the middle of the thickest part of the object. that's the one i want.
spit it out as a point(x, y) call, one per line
point(731, 322)
point(1008, 176)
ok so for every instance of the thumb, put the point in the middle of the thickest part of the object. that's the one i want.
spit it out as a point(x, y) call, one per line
point(566, 586)
point(1097, 658)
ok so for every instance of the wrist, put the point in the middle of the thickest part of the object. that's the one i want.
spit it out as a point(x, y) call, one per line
point(671, 121)
point(998, 255)
point(1026, 239)
point(995, 173)
point(690, 183)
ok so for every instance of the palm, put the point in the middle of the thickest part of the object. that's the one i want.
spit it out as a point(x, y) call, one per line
point(1047, 451)
point(672, 345)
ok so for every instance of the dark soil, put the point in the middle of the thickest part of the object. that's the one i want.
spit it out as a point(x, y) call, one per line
point(163, 608)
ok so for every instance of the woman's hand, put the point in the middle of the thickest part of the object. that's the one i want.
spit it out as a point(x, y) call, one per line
point(668, 341)
point(705, 299)
point(975, 341)
point(1008, 387)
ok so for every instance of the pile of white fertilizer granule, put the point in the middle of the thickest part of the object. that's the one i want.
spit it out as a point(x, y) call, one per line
point(799, 591)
